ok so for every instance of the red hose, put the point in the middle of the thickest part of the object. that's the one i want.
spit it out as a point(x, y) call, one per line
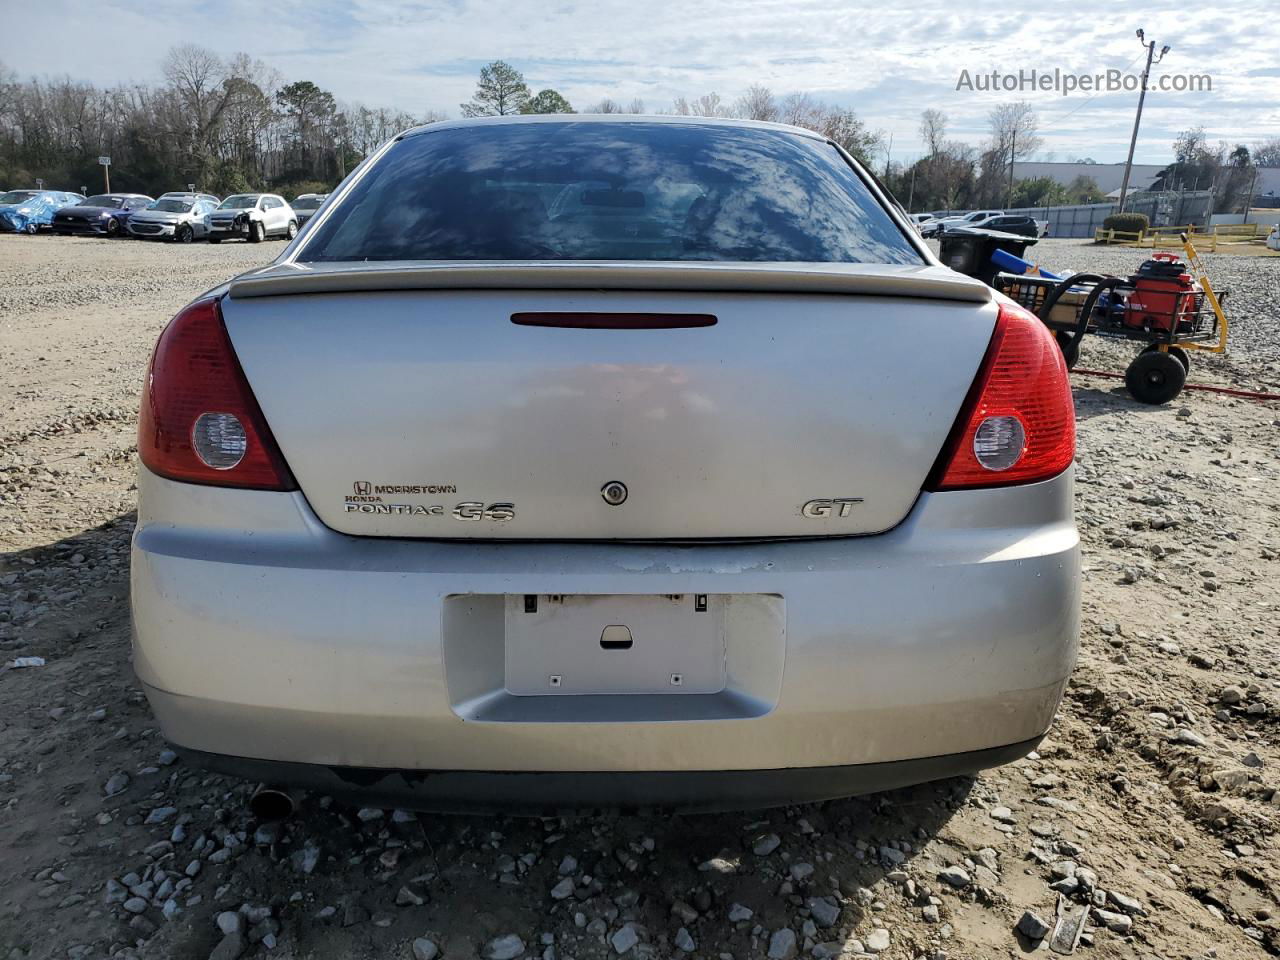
point(1246, 394)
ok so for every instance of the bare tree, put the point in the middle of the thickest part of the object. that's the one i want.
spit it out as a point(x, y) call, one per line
point(193, 71)
point(1013, 135)
point(933, 130)
point(606, 105)
point(1266, 153)
point(801, 110)
point(757, 103)
point(707, 105)
point(841, 125)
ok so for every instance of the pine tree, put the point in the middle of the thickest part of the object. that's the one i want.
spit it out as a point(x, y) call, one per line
point(500, 92)
point(547, 101)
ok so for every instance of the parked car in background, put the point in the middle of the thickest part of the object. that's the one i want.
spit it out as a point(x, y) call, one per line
point(656, 500)
point(1011, 223)
point(977, 218)
point(179, 194)
point(178, 217)
point(922, 220)
point(252, 217)
point(97, 215)
point(306, 205)
point(26, 211)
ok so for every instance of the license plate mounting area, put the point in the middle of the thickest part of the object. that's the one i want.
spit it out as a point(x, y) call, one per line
point(590, 645)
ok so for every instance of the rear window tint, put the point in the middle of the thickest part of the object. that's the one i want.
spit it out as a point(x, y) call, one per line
point(610, 191)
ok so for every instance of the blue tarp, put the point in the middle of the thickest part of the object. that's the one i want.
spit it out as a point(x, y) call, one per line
point(38, 209)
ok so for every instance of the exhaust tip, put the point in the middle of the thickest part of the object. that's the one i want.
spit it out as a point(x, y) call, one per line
point(271, 803)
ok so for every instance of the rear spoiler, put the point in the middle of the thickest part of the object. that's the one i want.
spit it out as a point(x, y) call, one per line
point(869, 279)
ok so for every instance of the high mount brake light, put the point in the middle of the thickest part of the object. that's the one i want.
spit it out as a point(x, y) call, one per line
point(1018, 423)
point(199, 421)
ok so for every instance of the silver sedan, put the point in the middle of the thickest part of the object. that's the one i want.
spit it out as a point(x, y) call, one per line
point(582, 461)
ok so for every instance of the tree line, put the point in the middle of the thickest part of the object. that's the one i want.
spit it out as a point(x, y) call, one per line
point(225, 124)
point(953, 175)
point(233, 124)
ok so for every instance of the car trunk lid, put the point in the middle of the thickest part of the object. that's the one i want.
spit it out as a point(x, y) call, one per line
point(475, 402)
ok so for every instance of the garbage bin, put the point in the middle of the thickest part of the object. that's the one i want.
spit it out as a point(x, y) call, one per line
point(968, 250)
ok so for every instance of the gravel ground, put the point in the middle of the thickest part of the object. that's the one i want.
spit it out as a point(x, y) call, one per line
point(1150, 810)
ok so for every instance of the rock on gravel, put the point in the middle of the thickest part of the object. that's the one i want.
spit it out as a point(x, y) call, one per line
point(1115, 922)
point(877, 941)
point(229, 948)
point(506, 947)
point(782, 944)
point(117, 784)
point(766, 844)
point(424, 949)
point(825, 910)
point(230, 922)
point(1032, 926)
point(737, 913)
point(624, 939)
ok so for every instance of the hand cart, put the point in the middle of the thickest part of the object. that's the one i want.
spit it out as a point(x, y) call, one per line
point(1172, 311)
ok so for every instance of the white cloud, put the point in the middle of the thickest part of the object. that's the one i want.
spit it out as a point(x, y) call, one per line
point(886, 61)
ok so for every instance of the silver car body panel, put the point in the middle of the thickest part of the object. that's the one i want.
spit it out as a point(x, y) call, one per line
point(259, 632)
point(269, 209)
point(934, 282)
point(162, 223)
point(393, 408)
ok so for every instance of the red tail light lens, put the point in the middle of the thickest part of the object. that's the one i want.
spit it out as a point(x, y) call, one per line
point(199, 421)
point(1018, 424)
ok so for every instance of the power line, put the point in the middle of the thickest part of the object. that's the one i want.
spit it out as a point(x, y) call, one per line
point(1066, 116)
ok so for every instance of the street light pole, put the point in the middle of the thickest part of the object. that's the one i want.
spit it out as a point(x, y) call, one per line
point(1137, 121)
point(1013, 152)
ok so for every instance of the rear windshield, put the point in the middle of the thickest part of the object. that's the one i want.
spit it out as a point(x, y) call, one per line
point(307, 203)
point(102, 200)
point(17, 196)
point(605, 191)
point(172, 206)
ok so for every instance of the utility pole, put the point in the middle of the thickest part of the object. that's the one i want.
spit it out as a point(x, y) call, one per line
point(1013, 152)
point(1142, 95)
point(1248, 201)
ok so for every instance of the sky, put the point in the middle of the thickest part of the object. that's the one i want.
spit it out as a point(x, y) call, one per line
point(888, 61)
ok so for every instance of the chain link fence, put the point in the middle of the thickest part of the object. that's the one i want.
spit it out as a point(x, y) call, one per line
point(1168, 209)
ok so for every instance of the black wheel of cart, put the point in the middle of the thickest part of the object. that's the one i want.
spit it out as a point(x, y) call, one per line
point(1069, 344)
point(1155, 377)
point(1182, 356)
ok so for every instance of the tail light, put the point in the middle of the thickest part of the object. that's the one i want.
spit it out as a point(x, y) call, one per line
point(199, 421)
point(1018, 423)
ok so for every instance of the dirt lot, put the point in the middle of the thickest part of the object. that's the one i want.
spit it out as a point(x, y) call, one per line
point(1154, 799)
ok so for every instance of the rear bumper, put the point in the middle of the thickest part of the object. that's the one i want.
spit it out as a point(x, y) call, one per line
point(262, 634)
point(546, 794)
